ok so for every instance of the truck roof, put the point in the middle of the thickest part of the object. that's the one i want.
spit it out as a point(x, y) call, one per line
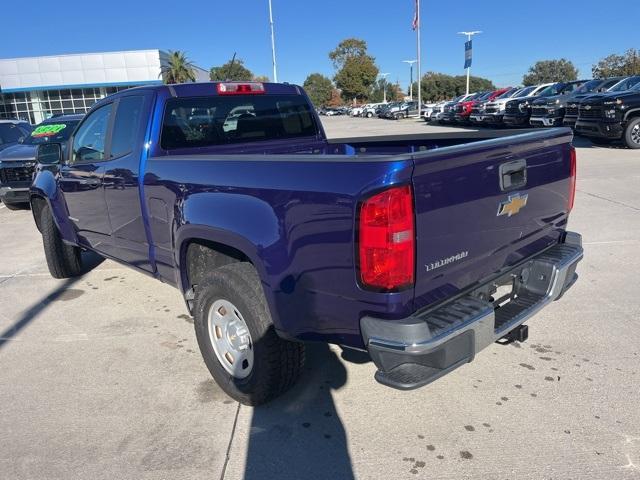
point(198, 89)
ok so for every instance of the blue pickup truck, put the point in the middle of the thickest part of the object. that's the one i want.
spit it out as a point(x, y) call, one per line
point(418, 249)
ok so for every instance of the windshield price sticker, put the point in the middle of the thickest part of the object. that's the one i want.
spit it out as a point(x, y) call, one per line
point(48, 130)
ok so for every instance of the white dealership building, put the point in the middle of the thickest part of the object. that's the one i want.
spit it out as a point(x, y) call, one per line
point(35, 88)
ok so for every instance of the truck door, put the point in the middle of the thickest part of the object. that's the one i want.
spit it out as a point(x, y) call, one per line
point(81, 179)
point(122, 194)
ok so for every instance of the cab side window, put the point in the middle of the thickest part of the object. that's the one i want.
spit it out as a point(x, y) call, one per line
point(90, 139)
point(126, 125)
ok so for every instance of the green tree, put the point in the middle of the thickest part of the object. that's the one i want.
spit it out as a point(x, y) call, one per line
point(357, 70)
point(261, 78)
point(349, 48)
point(376, 95)
point(178, 69)
point(618, 65)
point(476, 84)
point(546, 71)
point(440, 86)
point(232, 70)
point(319, 88)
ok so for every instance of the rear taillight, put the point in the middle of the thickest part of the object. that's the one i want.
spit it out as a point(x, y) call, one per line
point(244, 88)
point(387, 240)
point(572, 176)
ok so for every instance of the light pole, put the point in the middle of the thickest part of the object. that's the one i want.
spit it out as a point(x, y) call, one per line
point(410, 62)
point(273, 45)
point(384, 85)
point(469, 35)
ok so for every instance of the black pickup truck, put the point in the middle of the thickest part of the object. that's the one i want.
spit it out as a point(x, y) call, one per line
point(549, 111)
point(592, 87)
point(612, 116)
point(17, 162)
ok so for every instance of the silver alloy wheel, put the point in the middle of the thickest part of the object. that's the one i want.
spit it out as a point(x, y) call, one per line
point(635, 134)
point(230, 338)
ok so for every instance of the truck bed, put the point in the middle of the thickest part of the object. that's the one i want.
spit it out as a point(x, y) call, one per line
point(296, 216)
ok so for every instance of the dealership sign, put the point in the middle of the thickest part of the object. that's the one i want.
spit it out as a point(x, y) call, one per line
point(468, 49)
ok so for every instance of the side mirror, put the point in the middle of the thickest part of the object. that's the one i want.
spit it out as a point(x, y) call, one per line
point(49, 154)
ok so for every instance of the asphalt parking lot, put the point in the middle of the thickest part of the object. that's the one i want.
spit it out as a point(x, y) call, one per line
point(101, 377)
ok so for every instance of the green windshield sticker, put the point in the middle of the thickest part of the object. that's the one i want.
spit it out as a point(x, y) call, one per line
point(48, 130)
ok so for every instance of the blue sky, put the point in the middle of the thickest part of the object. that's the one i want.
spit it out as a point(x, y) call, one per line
point(516, 34)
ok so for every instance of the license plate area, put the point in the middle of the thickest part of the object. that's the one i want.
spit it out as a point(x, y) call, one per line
point(516, 291)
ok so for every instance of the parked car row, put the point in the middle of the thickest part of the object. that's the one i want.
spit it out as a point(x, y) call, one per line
point(602, 109)
point(389, 110)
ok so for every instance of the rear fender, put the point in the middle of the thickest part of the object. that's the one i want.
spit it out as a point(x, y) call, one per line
point(244, 223)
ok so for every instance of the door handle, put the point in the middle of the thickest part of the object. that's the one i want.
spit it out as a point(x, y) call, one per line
point(513, 175)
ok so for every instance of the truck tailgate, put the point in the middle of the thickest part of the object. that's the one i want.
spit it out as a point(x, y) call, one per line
point(471, 223)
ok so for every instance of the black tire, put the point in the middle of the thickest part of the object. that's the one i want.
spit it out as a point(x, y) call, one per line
point(277, 362)
point(632, 134)
point(64, 261)
point(369, 114)
point(17, 206)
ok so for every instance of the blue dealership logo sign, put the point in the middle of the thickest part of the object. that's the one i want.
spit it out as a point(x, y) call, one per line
point(468, 49)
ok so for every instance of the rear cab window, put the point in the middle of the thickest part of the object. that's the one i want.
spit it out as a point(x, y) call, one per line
point(223, 120)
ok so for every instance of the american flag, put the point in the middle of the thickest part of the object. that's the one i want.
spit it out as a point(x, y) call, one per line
point(416, 17)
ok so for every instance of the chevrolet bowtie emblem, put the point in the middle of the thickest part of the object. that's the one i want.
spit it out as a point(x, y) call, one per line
point(512, 205)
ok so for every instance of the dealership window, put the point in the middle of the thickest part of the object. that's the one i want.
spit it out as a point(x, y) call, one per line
point(37, 106)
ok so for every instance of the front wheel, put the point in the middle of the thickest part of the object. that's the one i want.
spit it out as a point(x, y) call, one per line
point(369, 114)
point(64, 261)
point(632, 134)
point(237, 339)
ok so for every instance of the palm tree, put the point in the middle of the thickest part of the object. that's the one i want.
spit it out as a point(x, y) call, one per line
point(179, 69)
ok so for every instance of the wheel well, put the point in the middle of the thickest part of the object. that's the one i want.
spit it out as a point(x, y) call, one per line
point(203, 256)
point(633, 114)
point(37, 205)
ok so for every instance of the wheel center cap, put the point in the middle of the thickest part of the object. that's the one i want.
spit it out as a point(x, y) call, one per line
point(237, 336)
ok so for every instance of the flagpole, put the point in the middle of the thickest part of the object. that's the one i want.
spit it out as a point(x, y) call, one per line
point(419, 62)
point(273, 45)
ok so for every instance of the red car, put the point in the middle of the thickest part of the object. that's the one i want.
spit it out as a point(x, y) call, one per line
point(463, 109)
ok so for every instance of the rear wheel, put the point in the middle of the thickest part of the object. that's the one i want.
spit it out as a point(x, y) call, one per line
point(369, 114)
point(632, 134)
point(237, 339)
point(64, 261)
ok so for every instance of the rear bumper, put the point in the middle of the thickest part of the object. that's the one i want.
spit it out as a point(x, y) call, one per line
point(600, 129)
point(415, 351)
